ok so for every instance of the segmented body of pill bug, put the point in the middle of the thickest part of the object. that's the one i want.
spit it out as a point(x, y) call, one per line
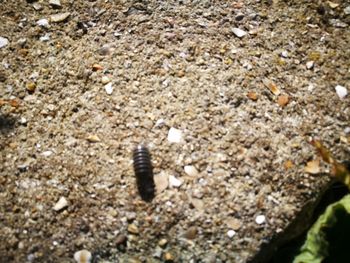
point(144, 172)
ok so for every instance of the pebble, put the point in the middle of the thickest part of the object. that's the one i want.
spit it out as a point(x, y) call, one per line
point(231, 233)
point(47, 153)
point(83, 256)
point(3, 42)
point(105, 80)
point(55, 3)
point(43, 22)
point(93, 138)
point(56, 18)
point(191, 170)
point(347, 130)
point(191, 233)
point(239, 17)
point(284, 54)
point(31, 86)
point(341, 91)
point(238, 32)
point(45, 38)
point(168, 257)
point(61, 204)
point(260, 219)
point(109, 88)
point(174, 135)
point(133, 229)
point(233, 223)
point(174, 182)
point(347, 10)
point(162, 243)
point(37, 6)
point(160, 123)
point(310, 64)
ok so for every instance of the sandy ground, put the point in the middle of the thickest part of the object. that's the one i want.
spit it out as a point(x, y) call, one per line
point(77, 95)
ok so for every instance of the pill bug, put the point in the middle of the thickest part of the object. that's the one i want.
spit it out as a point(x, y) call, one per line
point(144, 172)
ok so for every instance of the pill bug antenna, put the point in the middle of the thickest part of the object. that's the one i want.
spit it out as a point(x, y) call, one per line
point(144, 172)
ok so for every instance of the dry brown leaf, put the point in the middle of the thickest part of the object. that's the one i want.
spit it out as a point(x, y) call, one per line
point(252, 95)
point(313, 167)
point(288, 164)
point(283, 100)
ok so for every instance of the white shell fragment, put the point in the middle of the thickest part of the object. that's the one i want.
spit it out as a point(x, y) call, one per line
point(47, 153)
point(174, 182)
point(260, 219)
point(231, 233)
point(109, 88)
point(3, 42)
point(83, 256)
point(62, 203)
point(238, 32)
point(191, 170)
point(310, 64)
point(161, 181)
point(341, 91)
point(105, 80)
point(174, 135)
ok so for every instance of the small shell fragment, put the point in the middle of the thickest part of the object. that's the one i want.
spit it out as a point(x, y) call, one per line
point(83, 256)
point(310, 64)
point(109, 88)
point(161, 181)
point(191, 170)
point(231, 233)
point(341, 91)
point(238, 32)
point(260, 219)
point(174, 135)
point(174, 182)
point(62, 203)
point(272, 87)
point(56, 18)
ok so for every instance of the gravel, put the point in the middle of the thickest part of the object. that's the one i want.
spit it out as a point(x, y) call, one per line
point(242, 113)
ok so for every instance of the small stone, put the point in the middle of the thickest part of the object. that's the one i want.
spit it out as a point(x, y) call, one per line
point(191, 233)
point(3, 42)
point(341, 91)
point(162, 243)
point(47, 153)
point(109, 88)
point(284, 54)
point(83, 256)
point(347, 130)
point(239, 17)
point(310, 64)
point(56, 18)
point(37, 6)
point(283, 100)
point(31, 86)
point(160, 123)
point(231, 233)
point(121, 240)
point(23, 121)
point(133, 229)
point(45, 38)
point(252, 95)
point(260, 219)
point(61, 204)
point(174, 182)
point(174, 135)
point(168, 257)
point(93, 138)
point(191, 170)
point(43, 22)
point(347, 10)
point(233, 223)
point(158, 253)
point(55, 3)
point(105, 80)
point(239, 32)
